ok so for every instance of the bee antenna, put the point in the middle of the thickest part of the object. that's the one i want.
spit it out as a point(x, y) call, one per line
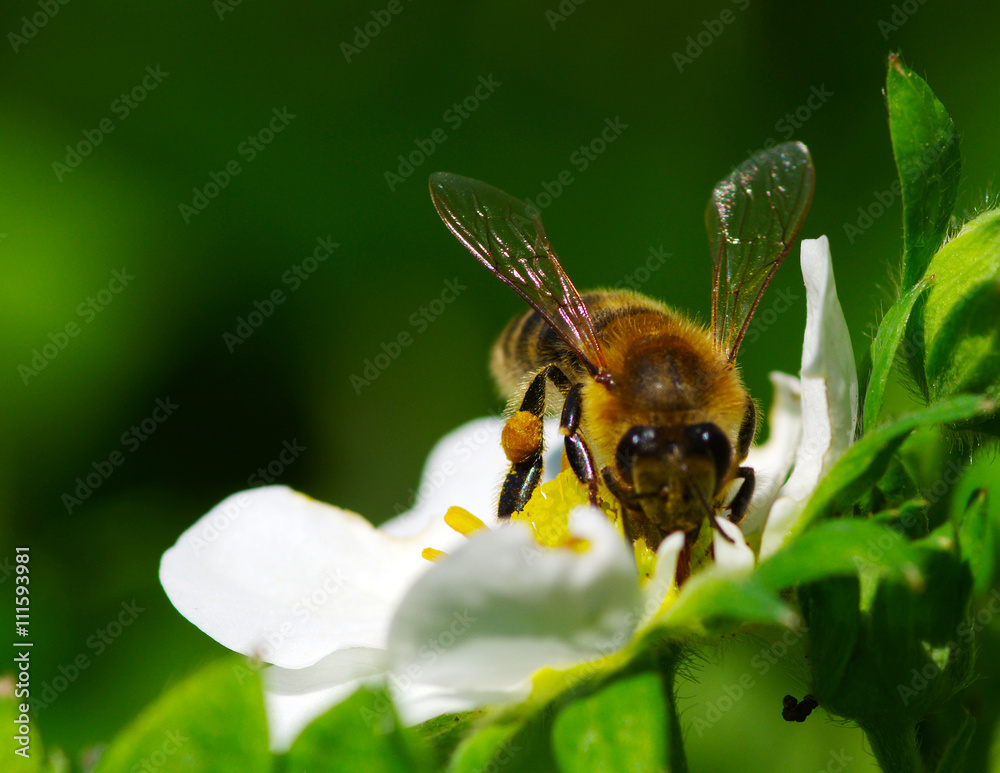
point(712, 517)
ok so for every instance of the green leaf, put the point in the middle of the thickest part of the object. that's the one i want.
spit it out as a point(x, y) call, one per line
point(620, 728)
point(714, 603)
point(212, 721)
point(897, 483)
point(866, 461)
point(831, 609)
point(525, 742)
point(442, 734)
point(976, 498)
point(921, 644)
point(837, 548)
point(962, 315)
point(977, 540)
point(957, 748)
point(925, 146)
point(361, 733)
point(884, 348)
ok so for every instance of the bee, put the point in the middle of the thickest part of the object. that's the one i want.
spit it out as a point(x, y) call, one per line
point(652, 403)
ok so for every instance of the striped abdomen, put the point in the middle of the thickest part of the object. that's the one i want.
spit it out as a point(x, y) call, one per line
point(528, 343)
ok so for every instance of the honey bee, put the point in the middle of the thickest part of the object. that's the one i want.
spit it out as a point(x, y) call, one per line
point(652, 403)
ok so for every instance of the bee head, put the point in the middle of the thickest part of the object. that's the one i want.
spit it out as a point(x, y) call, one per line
point(649, 457)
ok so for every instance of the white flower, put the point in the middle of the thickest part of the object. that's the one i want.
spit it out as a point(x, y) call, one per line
point(829, 388)
point(332, 602)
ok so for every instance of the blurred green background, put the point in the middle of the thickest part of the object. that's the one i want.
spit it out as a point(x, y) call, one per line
point(222, 69)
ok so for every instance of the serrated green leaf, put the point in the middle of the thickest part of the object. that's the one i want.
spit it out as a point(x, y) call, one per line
point(620, 728)
point(361, 733)
point(866, 461)
point(884, 348)
point(212, 721)
point(925, 146)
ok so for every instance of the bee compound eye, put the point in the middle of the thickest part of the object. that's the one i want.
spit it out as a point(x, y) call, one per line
point(709, 440)
point(638, 441)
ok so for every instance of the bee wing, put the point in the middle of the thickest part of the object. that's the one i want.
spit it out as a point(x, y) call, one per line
point(753, 218)
point(507, 236)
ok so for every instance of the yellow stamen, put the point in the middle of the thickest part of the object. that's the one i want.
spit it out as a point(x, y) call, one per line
point(462, 521)
point(432, 554)
point(579, 544)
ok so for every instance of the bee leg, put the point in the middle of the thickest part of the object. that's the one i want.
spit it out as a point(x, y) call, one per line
point(684, 563)
point(738, 507)
point(581, 461)
point(523, 444)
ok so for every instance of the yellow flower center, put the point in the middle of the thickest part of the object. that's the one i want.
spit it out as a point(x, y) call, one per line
point(547, 513)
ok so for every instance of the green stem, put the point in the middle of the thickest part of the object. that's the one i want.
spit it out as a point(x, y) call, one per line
point(895, 746)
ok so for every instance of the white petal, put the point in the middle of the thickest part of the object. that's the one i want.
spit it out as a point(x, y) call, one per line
point(829, 392)
point(732, 555)
point(462, 470)
point(467, 468)
point(279, 576)
point(417, 702)
point(501, 607)
point(664, 574)
point(554, 445)
point(772, 460)
point(295, 697)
